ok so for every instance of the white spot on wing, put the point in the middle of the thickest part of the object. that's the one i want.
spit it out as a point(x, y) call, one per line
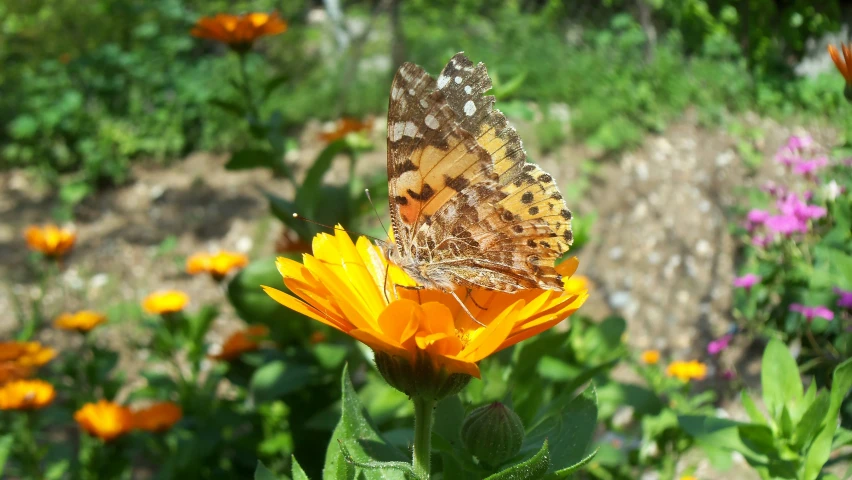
point(458, 79)
point(424, 103)
point(432, 122)
point(396, 93)
point(443, 81)
point(410, 130)
point(411, 91)
point(396, 130)
point(469, 108)
point(467, 89)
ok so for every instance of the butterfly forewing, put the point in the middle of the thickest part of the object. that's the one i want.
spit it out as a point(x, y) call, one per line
point(467, 210)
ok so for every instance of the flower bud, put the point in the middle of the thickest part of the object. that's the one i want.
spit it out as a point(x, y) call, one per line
point(421, 377)
point(493, 433)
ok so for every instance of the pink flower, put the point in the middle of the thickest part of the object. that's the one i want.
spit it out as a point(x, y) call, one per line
point(773, 189)
point(796, 142)
point(812, 312)
point(809, 167)
point(845, 300)
point(757, 216)
point(786, 224)
point(746, 281)
point(721, 343)
point(729, 375)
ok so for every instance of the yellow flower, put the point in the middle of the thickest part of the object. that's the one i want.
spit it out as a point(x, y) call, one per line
point(167, 301)
point(239, 31)
point(105, 420)
point(686, 371)
point(26, 395)
point(688, 477)
point(82, 321)
point(158, 417)
point(50, 239)
point(343, 286)
point(577, 283)
point(344, 127)
point(216, 264)
point(843, 64)
point(651, 357)
point(241, 342)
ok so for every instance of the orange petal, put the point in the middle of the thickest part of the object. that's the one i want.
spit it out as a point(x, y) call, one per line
point(377, 341)
point(489, 338)
point(437, 318)
point(401, 320)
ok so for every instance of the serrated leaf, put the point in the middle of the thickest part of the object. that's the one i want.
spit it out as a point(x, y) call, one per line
point(531, 469)
point(361, 439)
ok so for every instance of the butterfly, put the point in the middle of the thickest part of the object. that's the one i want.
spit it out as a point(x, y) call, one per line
point(466, 208)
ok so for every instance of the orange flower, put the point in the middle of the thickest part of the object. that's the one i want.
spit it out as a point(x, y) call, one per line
point(216, 264)
point(82, 321)
point(10, 371)
point(26, 395)
point(343, 285)
point(344, 127)
point(686, 371)
point(239, 31)
point(241, 342)
point(843, 64)
point(105, 420)
point(50, 239)
point(158, 417)
point(164, 302)
point(650, 357)
point(26, 354)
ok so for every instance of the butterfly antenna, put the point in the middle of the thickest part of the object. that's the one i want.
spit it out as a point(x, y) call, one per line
point(378, 217)
point(304, 219)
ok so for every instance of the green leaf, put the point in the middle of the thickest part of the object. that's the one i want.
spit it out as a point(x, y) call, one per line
point(274, 83)
point(378, 467)
point(283, 210)
point(233, 108)
point(568, 426)
point(263, 473)
point(199, 323)
point(565, 472)
point(780, 379)
point(811, 421)
point(751, 409)
point(356, 432)
point(251, 158)
point(297, 472)
point(821, 448)
point(6, 442)
point(531, 469)
point(307, 197)
point(276, 379)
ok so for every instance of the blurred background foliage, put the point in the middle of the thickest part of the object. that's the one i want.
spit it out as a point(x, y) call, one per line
point(88, 87)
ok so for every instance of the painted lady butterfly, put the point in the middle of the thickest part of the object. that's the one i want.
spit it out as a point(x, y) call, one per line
point(467, 209)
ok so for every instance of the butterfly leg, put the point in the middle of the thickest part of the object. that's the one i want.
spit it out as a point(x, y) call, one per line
point(470, 296)
point(412, 287)
point(464, 307)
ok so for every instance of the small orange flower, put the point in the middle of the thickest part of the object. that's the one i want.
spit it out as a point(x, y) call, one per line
point(686, 371)
point(650, 357)
point(26, 354)
point(82, 321)
point(158, 417)
point(241, 342)
point(844, 63)
point(344, 285)
point(10, 371)
point(50, 240)
point(105, 420)
point(26, 395)
point(164, 302)
point(216, 264)
point(317, 337)
point(344, 127)
point(239, 31)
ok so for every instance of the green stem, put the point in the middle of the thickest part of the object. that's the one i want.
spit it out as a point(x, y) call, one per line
point(423, 410)
point(245, 87)
point(31, 446)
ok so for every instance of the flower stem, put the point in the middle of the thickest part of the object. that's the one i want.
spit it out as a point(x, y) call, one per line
point(246, 88)
point(423, 410)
